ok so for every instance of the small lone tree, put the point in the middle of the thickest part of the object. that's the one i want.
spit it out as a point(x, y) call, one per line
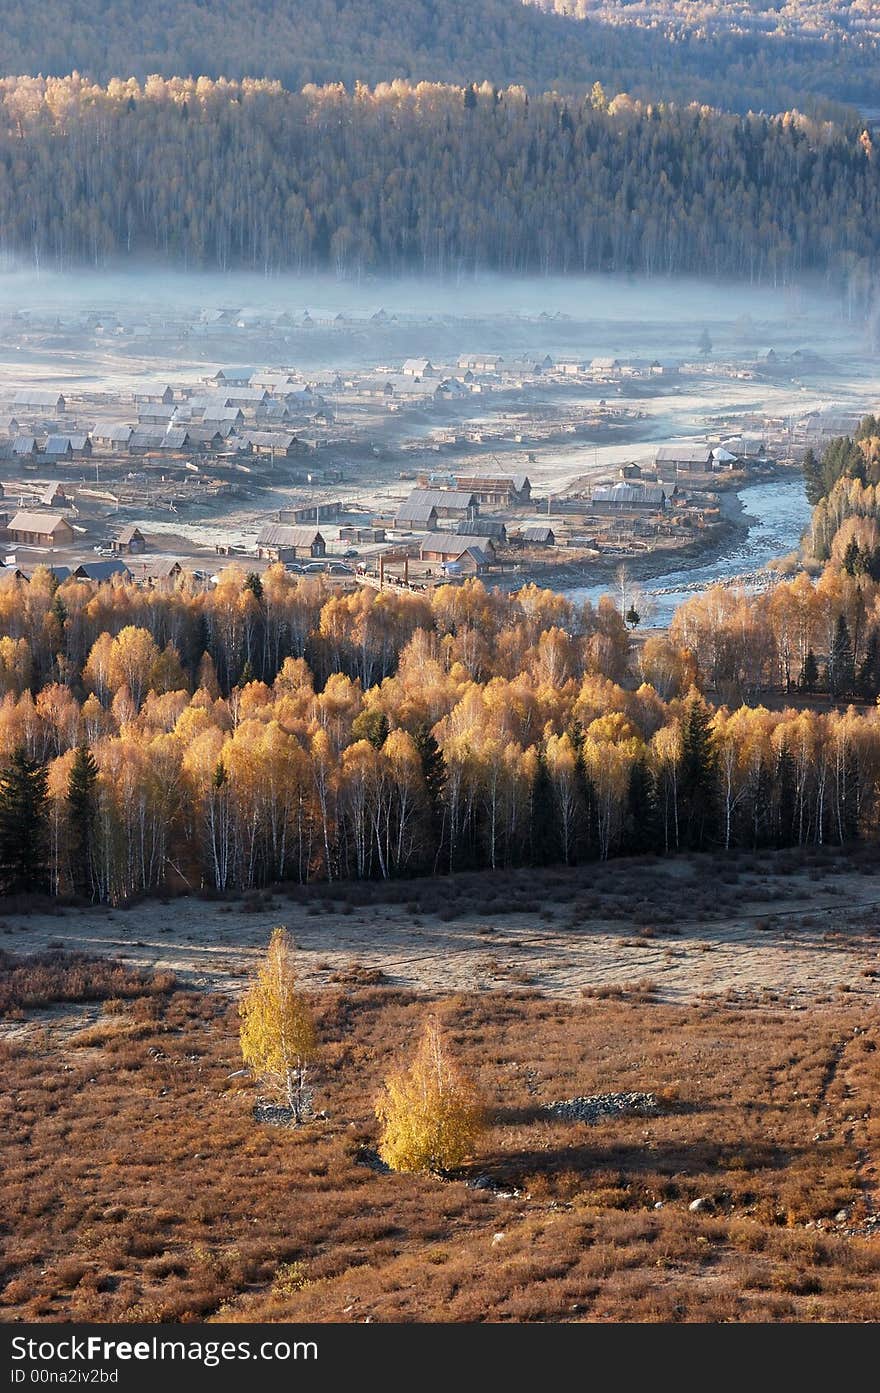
point(278, 1038)
point(632, 617)
point(431, 1113)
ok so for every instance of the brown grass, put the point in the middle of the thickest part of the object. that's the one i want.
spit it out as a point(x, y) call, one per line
point(42, 979)
point(138, 1187)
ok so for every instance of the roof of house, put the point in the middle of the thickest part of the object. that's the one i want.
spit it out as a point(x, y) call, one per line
point(128, 534)
point(454, 499)
point(145, 439)
point(42, 523)
point(270, 439)
point(281, 534)
point(417, 365)
point(24, 445)
point(57, 445)
point(36, 398)
point(112, 430)
point(100, 570)
point(415, 513)
point(153, 567)
point(629, 493)
point(683, 454)
point(449, 544)
point(482, 527)
point(538, 534)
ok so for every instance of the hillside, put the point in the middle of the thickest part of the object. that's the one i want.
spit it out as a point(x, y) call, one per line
point(735, 65)
point(425, 178)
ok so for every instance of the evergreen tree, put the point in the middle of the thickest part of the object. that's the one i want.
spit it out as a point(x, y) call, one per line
point(543, 820)
point(812, 477)
point(809, 672)
point(253, 583)
point(841, 666)
point(82, 802)
point(697, 782)
point(852, 558)
point(24, 826)
point(786, 786)
point(371, 725)
point(640, 827)
point(434, 775)
point(869, 672)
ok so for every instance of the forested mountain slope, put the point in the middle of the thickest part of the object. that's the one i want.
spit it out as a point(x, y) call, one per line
point(502, 41)
point(426, 178)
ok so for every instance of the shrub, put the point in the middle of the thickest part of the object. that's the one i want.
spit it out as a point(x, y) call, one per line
point(431, 1113)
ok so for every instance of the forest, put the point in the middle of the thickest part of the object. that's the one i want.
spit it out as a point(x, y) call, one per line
point(427, 177)
point(274, 728)
point(706, 53)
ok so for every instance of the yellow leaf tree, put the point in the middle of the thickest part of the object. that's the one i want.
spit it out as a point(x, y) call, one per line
point(278, 1038)
point(432, 1113)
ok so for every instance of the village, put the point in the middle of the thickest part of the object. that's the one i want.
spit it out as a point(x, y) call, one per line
point(399, 476)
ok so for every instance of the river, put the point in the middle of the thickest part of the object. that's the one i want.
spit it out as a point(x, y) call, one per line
point(777, 514)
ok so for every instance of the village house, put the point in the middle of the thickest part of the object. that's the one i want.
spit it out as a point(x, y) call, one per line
point(40, 530)
point(33, 400)
point(671, 461)
point(275, 444)
point(605, 367)
point(129, 542)
point(100, 570)
point(467, 557)
point(483, 527)
point(155, 570)
point(53, 496)
point(449, 503)
point(481, 362)
point(163, 394)
point(539, 536)
point(418, 367)
point(498, 492)
point(416, 517)
point(24, 445)
point(111, 435)
point(281, 542)
point(613, 498)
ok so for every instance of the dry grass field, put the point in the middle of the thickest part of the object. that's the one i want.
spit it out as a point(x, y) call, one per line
point(137, 1185)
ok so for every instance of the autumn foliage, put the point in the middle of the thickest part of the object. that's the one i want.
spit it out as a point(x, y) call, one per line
point(278, 1038)
point(431, 1113)
point(212, 737)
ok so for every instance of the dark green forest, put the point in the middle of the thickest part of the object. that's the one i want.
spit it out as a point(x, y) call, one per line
point(456, 41)
point(426, 178)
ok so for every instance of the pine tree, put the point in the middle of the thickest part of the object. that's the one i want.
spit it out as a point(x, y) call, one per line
point(82, 803)
point(852, 558)
point(543, 820)
point(869, 672)
point(813, 477)
point(254, 584)
point(809, 672)
point(371, 725)
point(640, 826)
point(24, 826)
point(696, 779)
point(841, 666)
point(434, 775)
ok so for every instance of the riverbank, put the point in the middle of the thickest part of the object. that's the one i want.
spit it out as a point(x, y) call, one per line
point(761, 519)
point(705, 548)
